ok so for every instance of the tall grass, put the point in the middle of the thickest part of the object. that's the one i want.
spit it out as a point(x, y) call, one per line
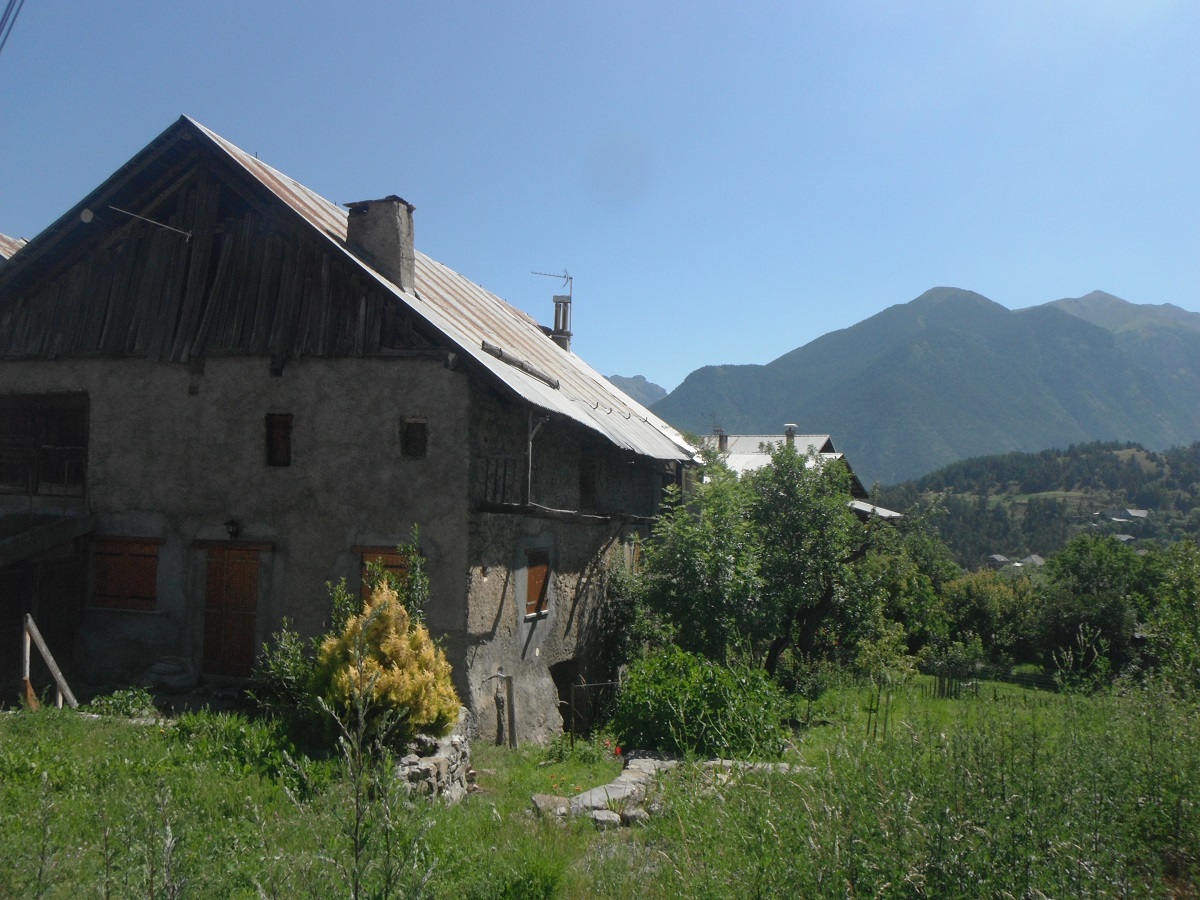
point(1010, 793)
point(1009, 796)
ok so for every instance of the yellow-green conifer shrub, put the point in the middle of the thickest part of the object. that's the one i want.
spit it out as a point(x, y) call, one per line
point(387, 667)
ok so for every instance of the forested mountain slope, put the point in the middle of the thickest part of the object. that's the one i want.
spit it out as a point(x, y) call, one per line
point(1017, 504)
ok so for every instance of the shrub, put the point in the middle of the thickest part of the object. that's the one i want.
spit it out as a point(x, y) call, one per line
point(131, 703)
point(676, 702)
point(282, 681)
point(387, 668)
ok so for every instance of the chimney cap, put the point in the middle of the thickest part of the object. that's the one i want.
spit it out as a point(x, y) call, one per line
point(363, 204)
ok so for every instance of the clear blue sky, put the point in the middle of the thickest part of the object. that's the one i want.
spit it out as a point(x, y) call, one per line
point(724, 181)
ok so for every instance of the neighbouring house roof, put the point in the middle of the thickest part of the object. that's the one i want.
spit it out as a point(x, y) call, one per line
point(748, 452)
point(498, 338)
point(9, 246)
point(865, 510)
point(1033, 560)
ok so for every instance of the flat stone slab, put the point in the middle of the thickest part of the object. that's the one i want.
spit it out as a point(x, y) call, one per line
point(616, 793)
point(605, 818)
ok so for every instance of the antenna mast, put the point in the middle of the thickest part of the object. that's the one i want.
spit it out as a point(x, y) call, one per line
point(561, 334)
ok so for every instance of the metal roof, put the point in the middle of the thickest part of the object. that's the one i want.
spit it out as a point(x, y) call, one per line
point(9, 245)
point(497, 336)
point(747, 452)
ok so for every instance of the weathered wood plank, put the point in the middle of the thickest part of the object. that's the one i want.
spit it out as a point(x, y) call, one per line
point(199, 259)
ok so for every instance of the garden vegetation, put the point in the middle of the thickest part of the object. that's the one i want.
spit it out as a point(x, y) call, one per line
point(766, 622)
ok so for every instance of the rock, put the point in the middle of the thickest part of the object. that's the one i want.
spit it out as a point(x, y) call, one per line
point(605, 819)
point(549, 805)
point(173, 673)
point(634, 816)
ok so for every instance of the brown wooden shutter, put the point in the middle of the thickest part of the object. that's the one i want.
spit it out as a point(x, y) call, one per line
point(393, 563)
point(537, 574)
point(125, 574)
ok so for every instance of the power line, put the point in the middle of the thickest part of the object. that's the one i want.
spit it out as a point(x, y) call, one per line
point(11, 11)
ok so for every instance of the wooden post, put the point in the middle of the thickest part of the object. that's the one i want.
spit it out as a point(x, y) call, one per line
point(30, 696)
point(512, 713)
point(31, 631)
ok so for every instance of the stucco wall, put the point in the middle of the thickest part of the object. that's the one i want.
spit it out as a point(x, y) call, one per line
point(175, 452)
point(502, 638)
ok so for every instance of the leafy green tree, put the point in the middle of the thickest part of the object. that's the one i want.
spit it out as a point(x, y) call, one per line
point(1175, 621)
point(997, 609)
point(808, 536)
point(701, 569)
point(1098, 586)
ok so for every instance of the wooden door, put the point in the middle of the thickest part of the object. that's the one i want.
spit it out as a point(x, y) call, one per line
point(230, 610)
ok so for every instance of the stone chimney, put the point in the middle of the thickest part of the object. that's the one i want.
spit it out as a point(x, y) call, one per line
point(789, 434)
point(561, 334)
point(381, 233)
point(722, 439)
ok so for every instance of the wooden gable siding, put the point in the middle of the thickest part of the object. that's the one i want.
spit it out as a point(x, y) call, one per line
point(248, 281)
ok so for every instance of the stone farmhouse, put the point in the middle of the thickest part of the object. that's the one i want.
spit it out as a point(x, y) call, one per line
point(220, 391)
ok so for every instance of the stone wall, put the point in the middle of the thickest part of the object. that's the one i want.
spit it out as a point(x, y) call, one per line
point(439, 767)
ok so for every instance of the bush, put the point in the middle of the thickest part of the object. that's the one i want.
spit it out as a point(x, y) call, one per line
point(282, 682)
point(385, 669)
point(676, 702)
point(130, 703)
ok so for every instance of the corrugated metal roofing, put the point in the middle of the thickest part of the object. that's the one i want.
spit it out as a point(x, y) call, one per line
point(473, 317)
point(9, 245)
point(746, 453)
point(749, 452)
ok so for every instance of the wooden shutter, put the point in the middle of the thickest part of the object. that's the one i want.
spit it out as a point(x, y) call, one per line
point(537, 581)
point(393, 563)
point(125, 574)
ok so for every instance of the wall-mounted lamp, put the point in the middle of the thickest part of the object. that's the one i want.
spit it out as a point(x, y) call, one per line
point(233, 528)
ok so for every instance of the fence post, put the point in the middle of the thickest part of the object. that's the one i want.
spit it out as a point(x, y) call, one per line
point(31, 633)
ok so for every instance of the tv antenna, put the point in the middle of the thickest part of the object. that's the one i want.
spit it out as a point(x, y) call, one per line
point(568, 280)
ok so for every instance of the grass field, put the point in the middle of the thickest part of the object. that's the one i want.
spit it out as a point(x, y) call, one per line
point(1004, 793)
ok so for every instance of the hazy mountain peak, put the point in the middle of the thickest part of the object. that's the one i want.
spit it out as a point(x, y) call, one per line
point(1117, 315)
point(952, 374)
point(636, 386)
point(938, 295)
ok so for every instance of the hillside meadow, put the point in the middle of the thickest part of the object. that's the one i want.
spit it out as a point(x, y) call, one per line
point(1002, 792)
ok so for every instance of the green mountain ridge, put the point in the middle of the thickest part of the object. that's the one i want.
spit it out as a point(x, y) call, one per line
point(952, 374)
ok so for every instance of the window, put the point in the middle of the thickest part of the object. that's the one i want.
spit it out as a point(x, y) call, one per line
point(537, 582)
point(414, 438)
point(125, 573)
point(392, 562)
point(279, 439)
point(43, 444)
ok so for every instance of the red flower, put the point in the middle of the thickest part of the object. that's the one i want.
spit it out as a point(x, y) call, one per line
point(617, 750)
